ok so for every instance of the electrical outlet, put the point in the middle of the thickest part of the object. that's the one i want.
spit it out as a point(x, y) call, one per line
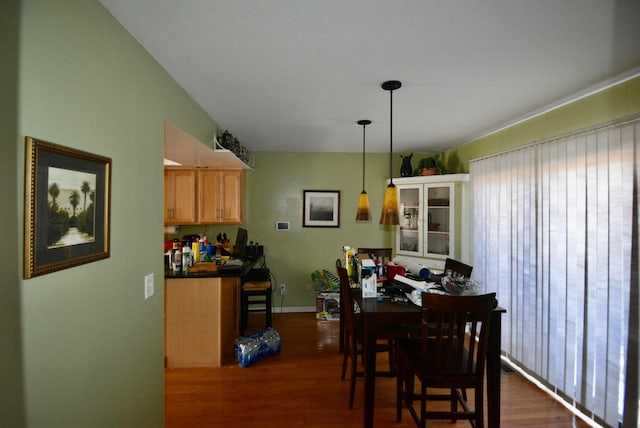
point(283, 289)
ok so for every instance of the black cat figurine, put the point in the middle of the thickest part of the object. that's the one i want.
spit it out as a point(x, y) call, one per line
point(405, 169)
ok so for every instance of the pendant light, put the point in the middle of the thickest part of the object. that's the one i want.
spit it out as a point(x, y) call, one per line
point(389, 214)
point(364, 209)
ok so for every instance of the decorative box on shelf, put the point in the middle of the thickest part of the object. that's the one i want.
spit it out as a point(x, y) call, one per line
point(226, 141)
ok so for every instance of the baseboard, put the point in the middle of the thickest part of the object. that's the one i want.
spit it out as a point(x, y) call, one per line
point(288, 309)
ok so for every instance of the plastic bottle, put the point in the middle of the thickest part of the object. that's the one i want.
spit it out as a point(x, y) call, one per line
point(195, 251)
point(186, 258)
point(348, 256)
point(176, 257)
point(378, 267)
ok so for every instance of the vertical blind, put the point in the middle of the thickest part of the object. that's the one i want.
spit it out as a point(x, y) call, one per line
point(552, 235)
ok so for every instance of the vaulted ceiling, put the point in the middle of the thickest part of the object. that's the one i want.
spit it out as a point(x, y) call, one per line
point(296, 75)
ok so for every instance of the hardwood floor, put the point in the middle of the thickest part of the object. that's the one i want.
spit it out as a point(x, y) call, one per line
point(301, 387)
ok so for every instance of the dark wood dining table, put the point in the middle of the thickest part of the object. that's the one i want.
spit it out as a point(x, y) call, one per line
point(378, 316)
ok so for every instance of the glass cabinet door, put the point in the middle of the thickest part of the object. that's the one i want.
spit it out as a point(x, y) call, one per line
point(409, 238)
point(438, 206)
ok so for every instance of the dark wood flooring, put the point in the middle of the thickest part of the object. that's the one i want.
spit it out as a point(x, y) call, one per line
point(301, 387)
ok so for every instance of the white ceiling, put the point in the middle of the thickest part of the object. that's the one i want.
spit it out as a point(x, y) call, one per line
point(295, 75)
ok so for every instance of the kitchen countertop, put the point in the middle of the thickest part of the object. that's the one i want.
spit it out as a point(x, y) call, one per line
point(221, 272)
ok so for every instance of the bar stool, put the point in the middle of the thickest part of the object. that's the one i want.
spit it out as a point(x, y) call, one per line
point(255, 296)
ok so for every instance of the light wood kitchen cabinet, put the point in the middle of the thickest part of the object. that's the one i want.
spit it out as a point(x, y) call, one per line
point(179, 196)
point(221, 199)
point(203, 196)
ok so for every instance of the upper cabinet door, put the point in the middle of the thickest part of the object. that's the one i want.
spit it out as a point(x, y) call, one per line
point(232, 196)
point(221, 198)
point(179, 196)
point(409, 235)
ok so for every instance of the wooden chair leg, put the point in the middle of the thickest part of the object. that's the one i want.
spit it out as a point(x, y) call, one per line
point(268, 308)
point(454, 404)
point(392, 356)
point(479, 407)
point(345, 357)
point(399, 384)
point(243, 313)
point(354, 369)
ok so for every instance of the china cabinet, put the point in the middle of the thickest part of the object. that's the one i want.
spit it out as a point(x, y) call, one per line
point(433, 218)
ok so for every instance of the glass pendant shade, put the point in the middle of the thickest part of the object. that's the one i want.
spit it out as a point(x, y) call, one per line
point(389, 214)
point(364, 209)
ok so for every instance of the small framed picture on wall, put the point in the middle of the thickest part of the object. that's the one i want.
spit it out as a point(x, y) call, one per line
point(321, 208)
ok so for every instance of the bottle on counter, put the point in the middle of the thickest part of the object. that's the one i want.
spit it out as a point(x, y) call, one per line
point(186, 257)
point(176, 257)
point(195, 251)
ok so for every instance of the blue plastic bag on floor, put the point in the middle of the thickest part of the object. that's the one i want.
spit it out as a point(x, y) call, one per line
point(249, 349)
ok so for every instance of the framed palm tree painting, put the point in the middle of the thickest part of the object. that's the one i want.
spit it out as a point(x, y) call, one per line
point(67, 207)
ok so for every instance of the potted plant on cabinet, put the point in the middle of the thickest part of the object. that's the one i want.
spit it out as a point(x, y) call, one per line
point(430, 165)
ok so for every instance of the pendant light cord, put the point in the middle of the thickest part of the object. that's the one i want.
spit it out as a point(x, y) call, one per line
point(363, 139)
point(391, 137)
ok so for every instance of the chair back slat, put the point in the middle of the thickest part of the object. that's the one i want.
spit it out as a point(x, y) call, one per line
point(346, 299)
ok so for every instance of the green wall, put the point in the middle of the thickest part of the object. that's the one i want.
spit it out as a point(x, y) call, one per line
point(82, 346)
point(617, 102)
point(11, 379)
point(274, 192)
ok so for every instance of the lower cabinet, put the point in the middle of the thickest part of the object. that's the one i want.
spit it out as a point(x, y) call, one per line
point(201, 321)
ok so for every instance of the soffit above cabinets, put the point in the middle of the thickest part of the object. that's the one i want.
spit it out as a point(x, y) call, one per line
point(181, 149)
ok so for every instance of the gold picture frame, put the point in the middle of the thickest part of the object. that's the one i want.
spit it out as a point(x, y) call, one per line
point(67, 210)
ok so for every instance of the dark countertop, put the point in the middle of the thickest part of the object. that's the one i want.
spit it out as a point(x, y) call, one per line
point(222, 272)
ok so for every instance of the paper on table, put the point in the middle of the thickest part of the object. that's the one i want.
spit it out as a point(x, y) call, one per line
point(419, 285)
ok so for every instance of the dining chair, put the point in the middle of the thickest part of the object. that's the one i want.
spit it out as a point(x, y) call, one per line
point(354, 337)
point(457, 268)
point(449, 355)
point(341, 321)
